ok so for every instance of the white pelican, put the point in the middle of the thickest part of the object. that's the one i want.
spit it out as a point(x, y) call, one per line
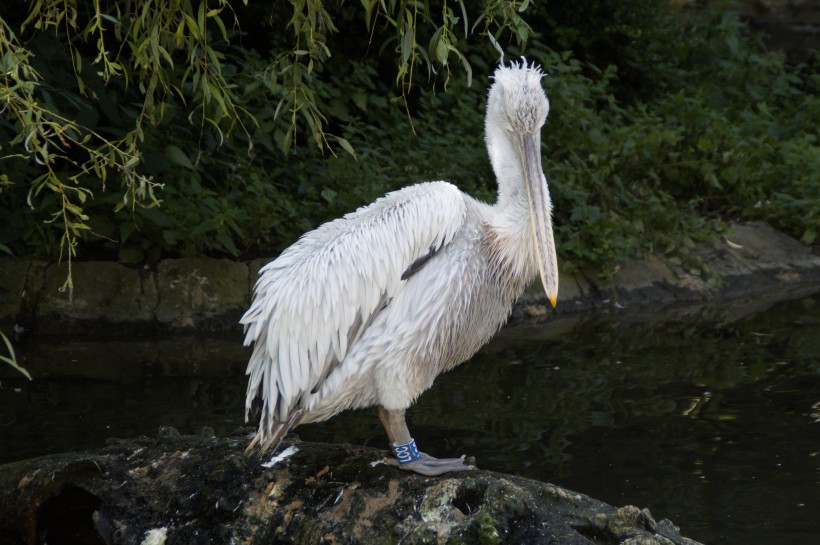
point(368, 309)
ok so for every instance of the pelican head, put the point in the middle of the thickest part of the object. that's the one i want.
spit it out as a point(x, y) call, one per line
point(517, 103)
point(516, 110)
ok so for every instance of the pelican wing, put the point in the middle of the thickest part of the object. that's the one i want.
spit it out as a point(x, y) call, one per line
point(313, 302)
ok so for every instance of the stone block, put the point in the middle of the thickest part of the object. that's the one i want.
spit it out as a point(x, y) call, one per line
point(647, 281)
point(762, 247)
point(12, 286)
point(103, 290)
point(195, 289)
point(253, 270)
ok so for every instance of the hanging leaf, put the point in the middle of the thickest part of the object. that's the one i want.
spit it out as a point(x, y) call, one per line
point(178, 157)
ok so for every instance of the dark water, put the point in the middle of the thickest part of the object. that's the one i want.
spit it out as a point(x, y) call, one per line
point(710, 420)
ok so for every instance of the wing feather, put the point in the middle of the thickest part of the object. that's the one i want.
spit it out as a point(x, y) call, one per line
point(312, 303)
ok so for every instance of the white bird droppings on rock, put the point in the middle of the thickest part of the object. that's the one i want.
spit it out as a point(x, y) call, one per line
point(284, 455)
point(155, 536)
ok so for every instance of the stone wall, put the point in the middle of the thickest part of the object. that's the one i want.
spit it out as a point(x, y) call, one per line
point(211, 294)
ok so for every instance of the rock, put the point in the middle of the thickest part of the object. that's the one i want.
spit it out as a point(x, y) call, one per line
point(12, 286)
point(103, 291)
point(200, 489)
point(752, 260)
point(21, 280)
point(652, 281)
point(195, 291)
point(253, 271)
point(758, 247)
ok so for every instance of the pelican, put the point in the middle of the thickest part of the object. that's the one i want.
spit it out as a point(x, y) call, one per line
point(368, 309)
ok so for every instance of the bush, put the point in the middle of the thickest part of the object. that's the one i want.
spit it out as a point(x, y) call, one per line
point(662, 127)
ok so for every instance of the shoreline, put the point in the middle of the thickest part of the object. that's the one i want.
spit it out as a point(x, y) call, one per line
point(189, 295)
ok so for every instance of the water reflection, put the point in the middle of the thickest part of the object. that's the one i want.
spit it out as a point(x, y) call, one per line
point(710, 422)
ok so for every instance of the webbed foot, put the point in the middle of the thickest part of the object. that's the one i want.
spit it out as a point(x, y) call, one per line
point(408, 456)
point(429, 466)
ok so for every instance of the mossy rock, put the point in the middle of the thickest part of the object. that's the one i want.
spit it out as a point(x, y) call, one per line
point(201, 489)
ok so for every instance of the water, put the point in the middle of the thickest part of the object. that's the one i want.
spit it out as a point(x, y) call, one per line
point(712, 421)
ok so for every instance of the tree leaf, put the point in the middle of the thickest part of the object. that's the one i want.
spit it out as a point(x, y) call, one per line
point(12, 358)
point(178, 157)
point(346, 146)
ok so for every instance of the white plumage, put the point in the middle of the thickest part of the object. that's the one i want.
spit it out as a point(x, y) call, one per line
point(368, 309)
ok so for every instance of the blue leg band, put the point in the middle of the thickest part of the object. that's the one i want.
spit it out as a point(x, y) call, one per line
point(406, 453)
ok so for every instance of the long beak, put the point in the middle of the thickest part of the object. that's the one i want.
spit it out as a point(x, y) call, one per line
point(540, 214)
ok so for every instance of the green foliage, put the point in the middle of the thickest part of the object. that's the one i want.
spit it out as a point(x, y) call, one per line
point(11, 359)
point(151, 95)
point(634, 35)
point(60, 152)
point(732, 137)
point(752, 131)
point(177, 129)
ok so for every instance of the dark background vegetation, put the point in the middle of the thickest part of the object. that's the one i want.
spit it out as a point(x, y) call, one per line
point(666, 123)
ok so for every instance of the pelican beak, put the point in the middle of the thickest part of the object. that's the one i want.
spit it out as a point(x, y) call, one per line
point(540, 213)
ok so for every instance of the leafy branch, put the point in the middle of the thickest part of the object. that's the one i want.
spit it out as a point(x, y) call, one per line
point(48, 138)
point(67, 158)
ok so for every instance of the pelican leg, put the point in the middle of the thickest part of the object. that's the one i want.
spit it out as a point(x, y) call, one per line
point(424, 464)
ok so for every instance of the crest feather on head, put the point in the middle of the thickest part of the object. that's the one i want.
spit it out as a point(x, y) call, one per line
point(517, 100)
